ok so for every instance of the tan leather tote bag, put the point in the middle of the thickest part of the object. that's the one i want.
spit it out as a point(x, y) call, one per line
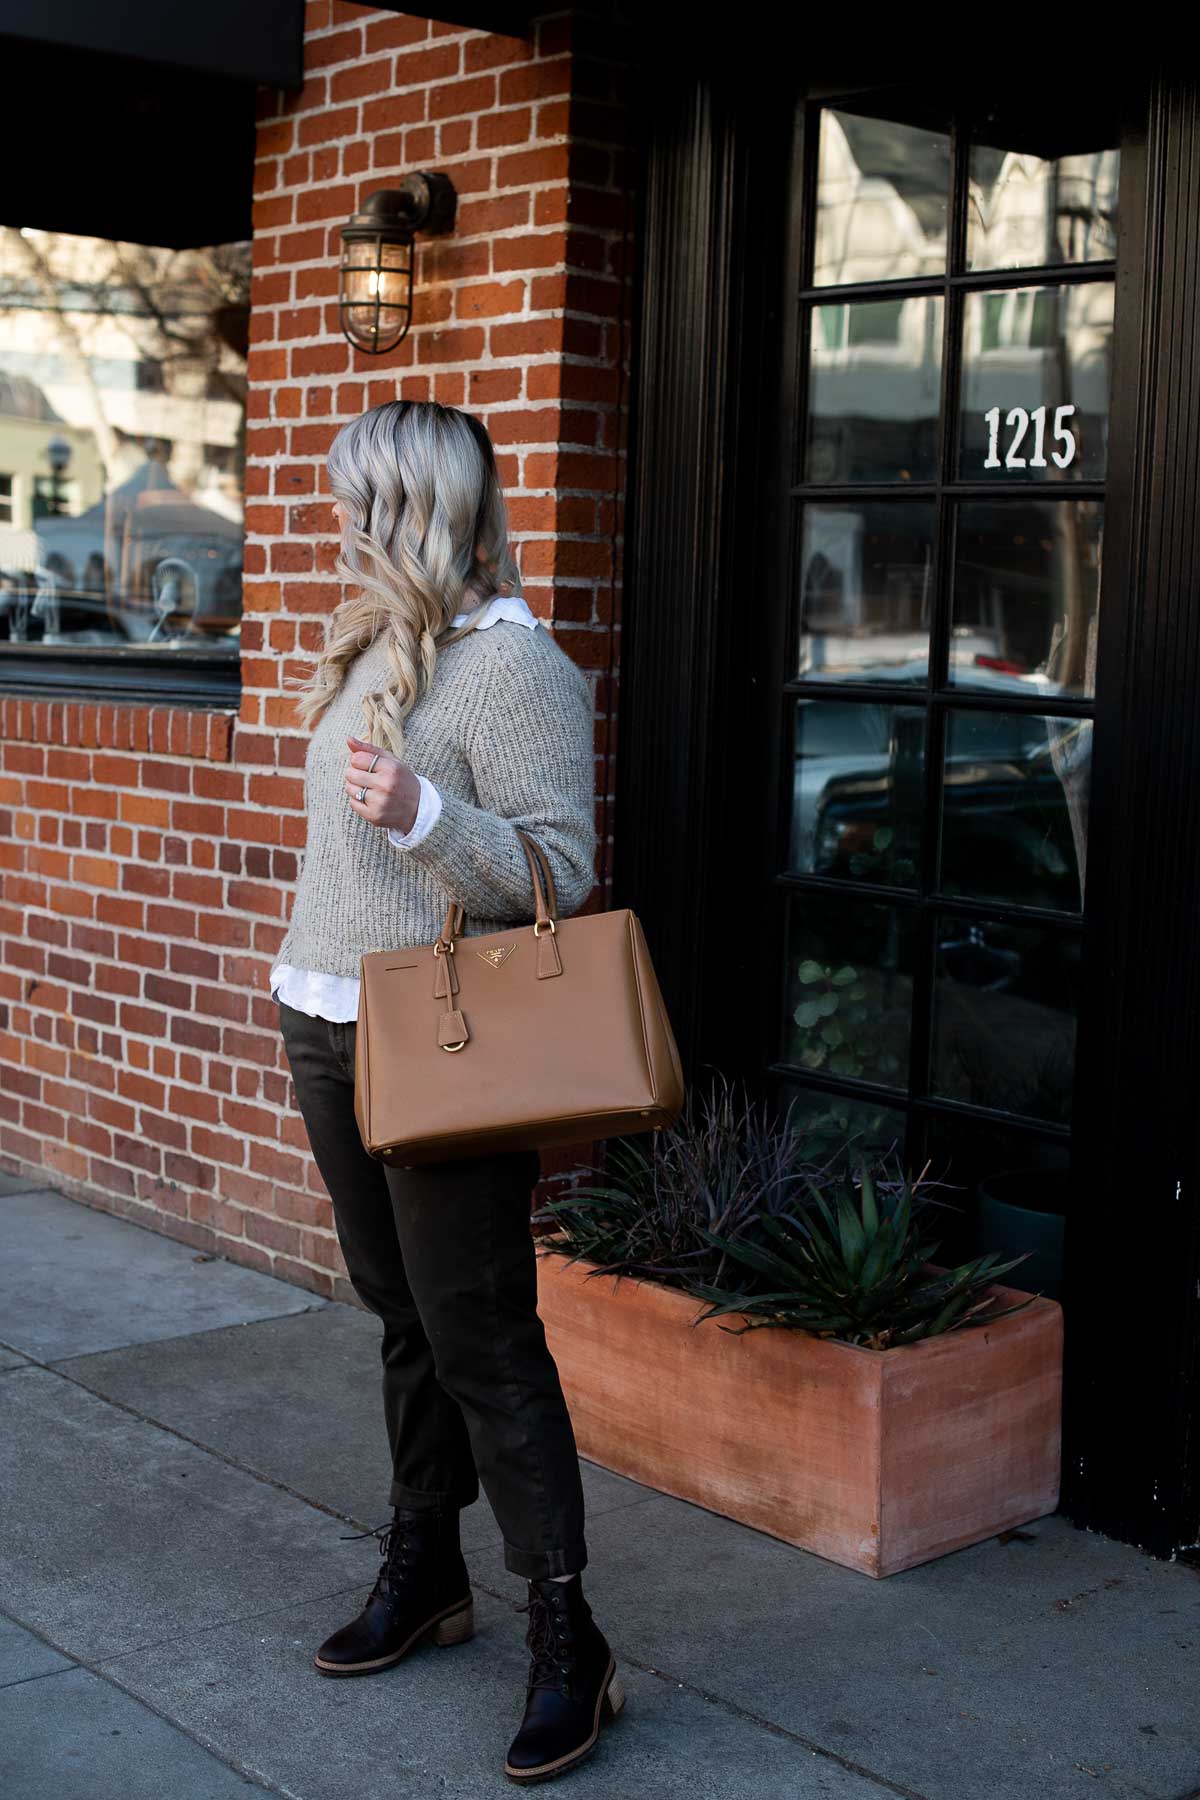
point(549, 1033)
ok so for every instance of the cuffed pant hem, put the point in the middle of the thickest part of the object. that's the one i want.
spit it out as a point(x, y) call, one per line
point(430, 1499)
point(538, 1565)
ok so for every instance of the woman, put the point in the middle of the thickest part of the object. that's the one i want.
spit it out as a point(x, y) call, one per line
point(444, 716)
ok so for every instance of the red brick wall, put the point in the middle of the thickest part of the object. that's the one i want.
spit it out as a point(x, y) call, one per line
point(149, 852)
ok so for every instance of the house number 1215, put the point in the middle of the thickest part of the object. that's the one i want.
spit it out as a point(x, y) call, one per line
point(1019, 421)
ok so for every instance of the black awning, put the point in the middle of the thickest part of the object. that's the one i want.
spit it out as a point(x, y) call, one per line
point(104, 147)
point(259, 42)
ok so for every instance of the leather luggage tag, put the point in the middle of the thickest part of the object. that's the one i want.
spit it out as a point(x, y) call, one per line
point(452, 1029)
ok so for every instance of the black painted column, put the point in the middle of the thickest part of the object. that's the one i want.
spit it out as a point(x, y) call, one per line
point(1133, 1256)
point(689, 837)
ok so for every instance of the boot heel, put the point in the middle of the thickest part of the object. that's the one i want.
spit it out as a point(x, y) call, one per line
point(456, 1629)
point(614, 1698)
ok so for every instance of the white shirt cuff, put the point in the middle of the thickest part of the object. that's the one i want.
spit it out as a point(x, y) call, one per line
point(429, 811)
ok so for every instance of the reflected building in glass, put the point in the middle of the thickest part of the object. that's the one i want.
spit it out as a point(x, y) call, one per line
point(122, 445)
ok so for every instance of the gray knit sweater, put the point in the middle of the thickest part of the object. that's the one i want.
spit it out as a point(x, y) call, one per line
point(505, 735)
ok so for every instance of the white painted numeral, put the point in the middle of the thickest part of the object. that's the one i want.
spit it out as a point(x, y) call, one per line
point(1018, 422)
point(992, 459)
point(1065, 435)
point(1020, 418)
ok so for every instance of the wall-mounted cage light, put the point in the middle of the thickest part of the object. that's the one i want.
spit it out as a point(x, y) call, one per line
point(376, 277)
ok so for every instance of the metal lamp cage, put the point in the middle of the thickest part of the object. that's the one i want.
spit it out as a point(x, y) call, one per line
point(375, 281)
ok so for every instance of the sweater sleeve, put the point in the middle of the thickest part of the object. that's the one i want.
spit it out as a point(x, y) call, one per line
point(530, 750)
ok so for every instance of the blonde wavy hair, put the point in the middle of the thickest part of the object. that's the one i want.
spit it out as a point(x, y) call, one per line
point(425, 536)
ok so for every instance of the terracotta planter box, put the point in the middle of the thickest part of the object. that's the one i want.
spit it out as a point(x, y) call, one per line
point(876, 1459)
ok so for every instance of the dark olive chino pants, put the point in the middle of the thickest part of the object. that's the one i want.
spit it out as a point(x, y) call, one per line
point(444, 1255)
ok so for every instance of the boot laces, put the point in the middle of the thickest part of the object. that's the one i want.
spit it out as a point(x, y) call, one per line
point(548, 1639)
point(396, 1544)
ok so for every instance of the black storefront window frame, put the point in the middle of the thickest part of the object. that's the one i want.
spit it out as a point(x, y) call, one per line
point(940, 697)
point(200, 679)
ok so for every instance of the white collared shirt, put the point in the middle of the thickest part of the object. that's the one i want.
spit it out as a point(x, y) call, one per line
point(336, 996)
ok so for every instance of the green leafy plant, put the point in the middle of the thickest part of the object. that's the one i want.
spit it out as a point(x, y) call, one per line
point(843, 1024)
point(855, 1264)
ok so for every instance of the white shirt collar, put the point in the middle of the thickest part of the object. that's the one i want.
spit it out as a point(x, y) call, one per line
point(503, 606)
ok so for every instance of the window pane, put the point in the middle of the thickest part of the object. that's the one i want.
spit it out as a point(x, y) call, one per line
point(849, 977)
point(1026, 594)
point(1035, 383)
point(881, 201)
point(875, 372)
point(832, 1122)
point(866, 589)
point(857, 790)
point(123, 371)
point(983, 1162)
point(1005, 1000)
point(1014, 810)
point(1024, 209)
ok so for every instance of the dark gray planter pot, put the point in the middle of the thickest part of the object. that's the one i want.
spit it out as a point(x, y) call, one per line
point(1020, 1210)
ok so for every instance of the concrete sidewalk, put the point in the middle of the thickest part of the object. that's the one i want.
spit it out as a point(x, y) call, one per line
point(184, 1442)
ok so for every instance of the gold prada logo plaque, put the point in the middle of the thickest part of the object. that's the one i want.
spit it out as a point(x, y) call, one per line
point(496, 955)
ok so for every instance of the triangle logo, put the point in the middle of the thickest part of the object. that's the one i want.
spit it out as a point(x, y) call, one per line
point(496, 954)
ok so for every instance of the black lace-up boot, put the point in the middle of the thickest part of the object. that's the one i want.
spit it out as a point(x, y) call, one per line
point(573, 1683)
point(422, 1590)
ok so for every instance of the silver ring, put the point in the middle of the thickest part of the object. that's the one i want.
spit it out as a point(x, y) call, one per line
point(361, 796)
point(371, 764)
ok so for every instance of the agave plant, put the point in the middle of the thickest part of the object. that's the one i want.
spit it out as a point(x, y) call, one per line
point(854, 1264)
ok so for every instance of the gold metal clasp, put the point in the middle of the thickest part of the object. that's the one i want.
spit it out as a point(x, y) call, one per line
point(537, 928)
point(453, 1047)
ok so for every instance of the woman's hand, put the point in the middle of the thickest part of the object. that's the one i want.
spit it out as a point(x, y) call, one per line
point(393, 792)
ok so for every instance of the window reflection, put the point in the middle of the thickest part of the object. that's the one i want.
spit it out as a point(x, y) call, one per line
point(1005, 1001)
point(849, 988)
point(1026, 595)
point(1024, 209)
point(1014, 808)
point(882, 193)
point(1035, 383)
point(874, 379)
point(866, 589)
point(857, 790)
point(122, 443)
point(828, 1123)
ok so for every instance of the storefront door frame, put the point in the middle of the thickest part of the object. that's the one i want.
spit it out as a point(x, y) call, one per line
point(696, 810)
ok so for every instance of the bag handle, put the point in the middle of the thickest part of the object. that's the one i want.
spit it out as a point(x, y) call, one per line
point(453, 1032)
point(545, 908)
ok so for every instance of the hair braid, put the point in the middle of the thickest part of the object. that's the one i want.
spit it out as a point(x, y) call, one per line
point(425, 537)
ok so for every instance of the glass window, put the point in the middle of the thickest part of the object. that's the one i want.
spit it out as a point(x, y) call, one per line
point(1014, 808)
point(1026, 209)
point(1026, 596)
point(1004, 1010)
point(857, 791)
point(866, 590)
point(874, 380)
point(982, 1161)
point(882, 193)
point(1035, 383)
point(849, 988)
point(945, 577)
point(828, 1122)
point(122, 369)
